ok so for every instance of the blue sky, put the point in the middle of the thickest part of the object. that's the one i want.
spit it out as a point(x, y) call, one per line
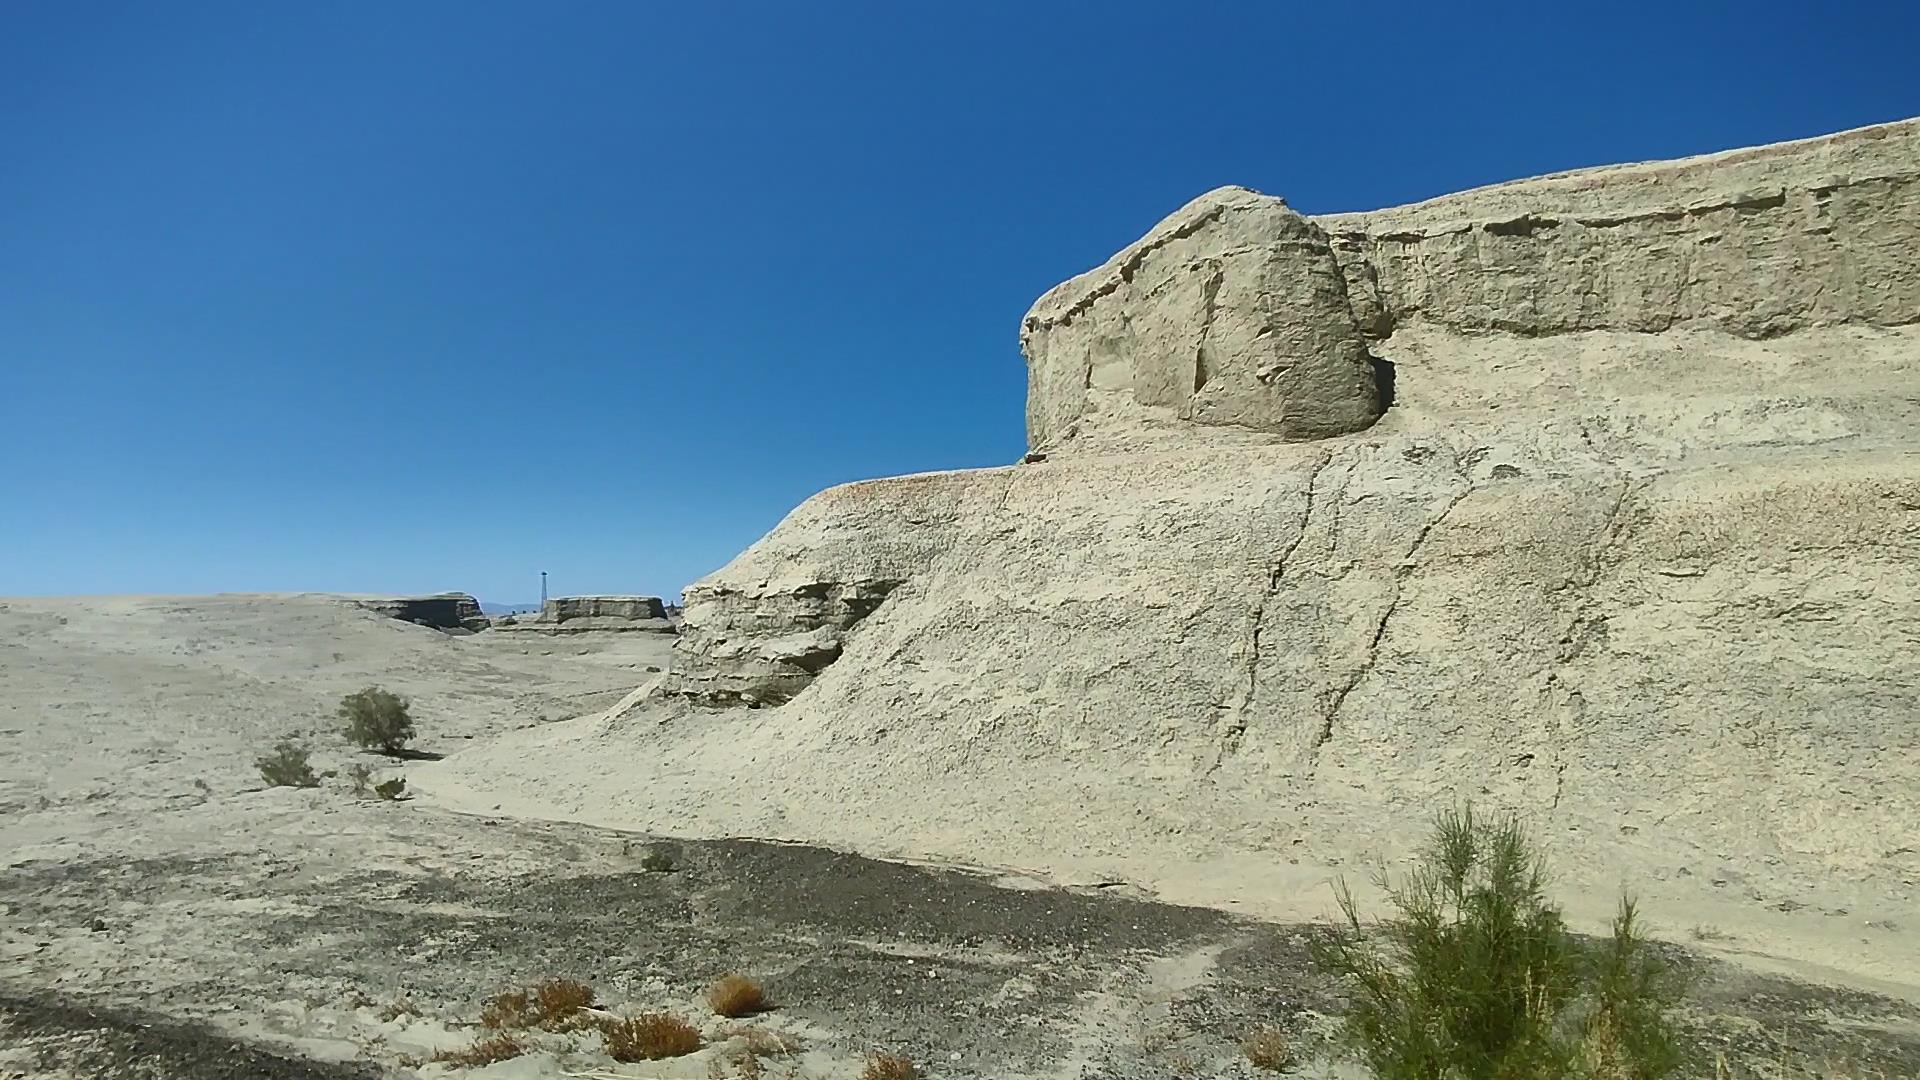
point(419, 296)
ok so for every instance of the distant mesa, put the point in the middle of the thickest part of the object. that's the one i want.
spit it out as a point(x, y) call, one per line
point(582, 614)
point(442, 611)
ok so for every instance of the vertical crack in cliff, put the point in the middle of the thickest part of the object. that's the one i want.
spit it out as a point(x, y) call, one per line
point(1580, 628)
point(1397, 584)
point(1209, 291)
point(1236, 708)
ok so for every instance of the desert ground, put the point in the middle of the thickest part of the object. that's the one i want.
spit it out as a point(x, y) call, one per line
point(164, 913)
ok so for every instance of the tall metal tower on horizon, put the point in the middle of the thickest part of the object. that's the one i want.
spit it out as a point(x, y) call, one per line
point(543, 590)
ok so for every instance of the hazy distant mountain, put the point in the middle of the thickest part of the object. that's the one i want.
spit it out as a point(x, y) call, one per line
point(490, 608)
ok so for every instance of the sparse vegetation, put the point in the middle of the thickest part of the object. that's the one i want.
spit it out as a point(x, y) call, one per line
point(658, 861)
point(509, 1011)
point(554, 1005)
point(561, 1000)
point(649, 1037)
point(884, 1066)
point(287, 767)
point(360, 775)
point(1268, 1048)
point(1710, 933)
point(1477, 978)
point(736, 996)
point(485, 1051)
point(377, 720)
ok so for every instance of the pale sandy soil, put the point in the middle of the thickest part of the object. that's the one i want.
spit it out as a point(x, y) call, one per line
point(162, 914)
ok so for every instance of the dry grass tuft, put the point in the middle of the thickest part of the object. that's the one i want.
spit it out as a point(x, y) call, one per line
point(736, 996)
point(484, 1051)
point(881, 1066)
point(509, 1011)
point(561, 1001)
point(649, 1037)
point(554, 1005)
point(1268, 1048)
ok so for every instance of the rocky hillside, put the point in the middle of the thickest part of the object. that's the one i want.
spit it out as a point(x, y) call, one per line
point(1594, 495)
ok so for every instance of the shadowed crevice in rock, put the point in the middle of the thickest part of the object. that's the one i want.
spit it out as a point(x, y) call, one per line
point(1384, 377)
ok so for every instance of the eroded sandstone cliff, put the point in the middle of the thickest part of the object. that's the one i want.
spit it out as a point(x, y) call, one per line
point(1630, 546)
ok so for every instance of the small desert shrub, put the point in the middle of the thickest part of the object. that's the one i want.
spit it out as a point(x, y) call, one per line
point(1268, 1048)
point(1477, 978)
point(882, 1066)
point(561, 1000)
point(287, 767)
point(509, 1011)
point(649, 1037)
point(736, 996)
point(377, 720)
point(485, 1051)
point(658, 861)
point(360, 775)
point(391, 789)
point(555, 1005)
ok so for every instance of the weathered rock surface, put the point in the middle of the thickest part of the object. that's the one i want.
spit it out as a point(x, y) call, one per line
point(763, 643)
point(1633, 550)
point(443, 611)
point(1232, 311)
point(1238, 311)
point(582, 614)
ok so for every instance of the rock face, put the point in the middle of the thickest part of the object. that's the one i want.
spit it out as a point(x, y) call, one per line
point(1232, 311)
point(1632, 551)
point(1238, 311)
point(581, 614)
point(443, 611)
point(761, 646)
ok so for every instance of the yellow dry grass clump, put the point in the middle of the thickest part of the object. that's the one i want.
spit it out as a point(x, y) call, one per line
point(1268, 1048)
point(736, 996)
point(485, 1051)
point(554, 1005)
point(883, 1066)
point(649, 1037)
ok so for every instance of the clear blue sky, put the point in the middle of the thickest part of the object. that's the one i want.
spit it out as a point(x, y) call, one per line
point(417, 296)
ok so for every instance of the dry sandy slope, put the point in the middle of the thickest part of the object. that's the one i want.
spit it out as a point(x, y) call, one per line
point(117, 707)
point(163, 915)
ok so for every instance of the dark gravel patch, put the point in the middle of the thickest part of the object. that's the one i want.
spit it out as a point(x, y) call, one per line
point(106, 1043)
point(930, 962)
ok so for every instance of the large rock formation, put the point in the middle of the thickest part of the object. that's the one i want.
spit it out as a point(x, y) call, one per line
point(581, 614)
point(442, 611)
point(1633, 549)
